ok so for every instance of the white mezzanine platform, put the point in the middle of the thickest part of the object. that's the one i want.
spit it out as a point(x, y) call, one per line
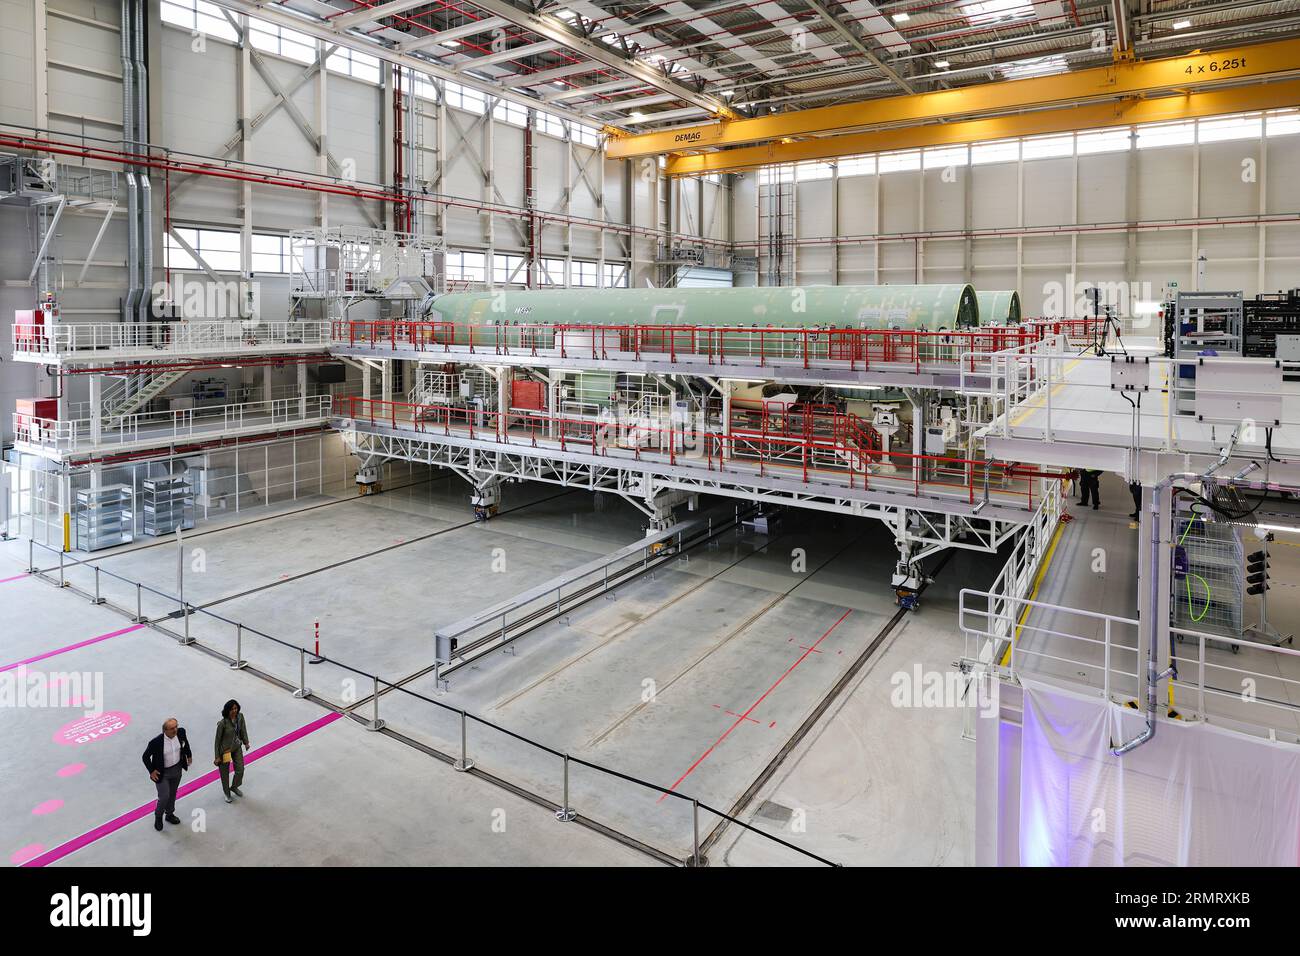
point(1061, 410)
point(954, 374)
point(76, 440)
point(1079, 627)
point(83, 343)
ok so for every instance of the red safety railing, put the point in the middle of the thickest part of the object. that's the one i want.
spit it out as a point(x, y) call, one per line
point(1079, 328)
point(861, 349)
point(823, 445)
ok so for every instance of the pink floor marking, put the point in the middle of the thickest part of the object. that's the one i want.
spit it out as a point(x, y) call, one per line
point(146, 809)
point(72, 647)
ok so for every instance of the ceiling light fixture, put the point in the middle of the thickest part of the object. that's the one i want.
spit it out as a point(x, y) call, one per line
point(1182, 24)
point(901, 17)
point(941, 64)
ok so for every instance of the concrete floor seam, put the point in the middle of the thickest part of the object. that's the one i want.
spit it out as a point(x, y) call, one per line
point(592, 825)
point(621, 631)
point(744, 626)
point(370, 554)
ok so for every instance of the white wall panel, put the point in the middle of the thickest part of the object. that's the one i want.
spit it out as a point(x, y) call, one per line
point(1103, 187)
point(1049, 191)
point(17, 63)
point(857, 206)
point(993, 195)
point(945, 198)
point(1164, 182)
point(900, 195)
point(1230, 178)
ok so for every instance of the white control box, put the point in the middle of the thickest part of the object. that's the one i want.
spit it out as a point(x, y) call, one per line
point(1130, 373)
point(1238, 390)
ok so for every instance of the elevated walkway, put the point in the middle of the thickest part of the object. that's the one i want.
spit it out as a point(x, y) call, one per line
point(1072, 410)
point(79, 440)
point(103, 343)
point(1076, 624)
point(943, 502)
point(876, 357)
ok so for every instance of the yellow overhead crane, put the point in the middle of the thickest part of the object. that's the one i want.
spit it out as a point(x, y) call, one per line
point(1186, 87)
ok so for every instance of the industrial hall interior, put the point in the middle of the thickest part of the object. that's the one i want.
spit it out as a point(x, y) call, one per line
point(604, 433)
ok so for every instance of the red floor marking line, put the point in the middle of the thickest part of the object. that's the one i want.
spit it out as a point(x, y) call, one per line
point(16, 577)
point(147, 809)
point(754, 705)
point(72, 647)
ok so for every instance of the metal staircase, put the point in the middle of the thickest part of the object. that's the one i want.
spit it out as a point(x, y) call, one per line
point(131, 393)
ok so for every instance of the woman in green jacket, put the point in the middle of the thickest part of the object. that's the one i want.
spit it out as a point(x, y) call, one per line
point(232, 741)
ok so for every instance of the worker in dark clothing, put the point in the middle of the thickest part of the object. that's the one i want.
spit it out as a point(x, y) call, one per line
point(1090, 486)
point(1135, 489)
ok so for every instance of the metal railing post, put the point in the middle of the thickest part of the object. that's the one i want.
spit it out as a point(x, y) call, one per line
point(139, 614)
point(185, 616)
point(303, 690)
point(695, 826)
point(375, 723)
point(239, 663)
point(566, 813)
point(62, 583)
point(31, 557)
point(1200, 674)
point(1105, 677)
point(98, 599)
point(464, 763)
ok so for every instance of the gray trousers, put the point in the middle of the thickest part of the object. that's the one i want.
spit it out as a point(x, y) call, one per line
point(236, 761)
point(169, 781)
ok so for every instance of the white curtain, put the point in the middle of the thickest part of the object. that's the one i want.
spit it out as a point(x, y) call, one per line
point(1196, 795)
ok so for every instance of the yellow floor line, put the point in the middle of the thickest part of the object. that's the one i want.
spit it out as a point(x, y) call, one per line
point(1038, 579)
point(1043, 404)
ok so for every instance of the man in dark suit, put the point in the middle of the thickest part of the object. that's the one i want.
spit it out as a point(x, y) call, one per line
point(166, 758)
point(1090, 486)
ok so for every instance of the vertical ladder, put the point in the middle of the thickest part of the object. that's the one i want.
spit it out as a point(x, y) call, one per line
point(776, 224)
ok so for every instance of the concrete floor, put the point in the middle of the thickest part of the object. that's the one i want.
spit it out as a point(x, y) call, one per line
point(875, 783)
point(693, 679)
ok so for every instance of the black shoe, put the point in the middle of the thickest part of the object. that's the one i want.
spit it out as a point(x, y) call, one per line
point(1134, 516)
point(157, 823)
point(172, 818)
point(1082, 504)
point(1096, 506)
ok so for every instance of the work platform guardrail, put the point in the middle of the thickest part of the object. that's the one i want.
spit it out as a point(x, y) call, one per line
point(162, 429)
point(492, 628)
point(495, 745)
point(843, 454)
point(84, 341)
point(1048, 392)
point(1247, 689)
point(713, 346)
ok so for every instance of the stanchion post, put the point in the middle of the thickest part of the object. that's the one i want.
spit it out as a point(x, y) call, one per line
point(239, 662)
point(566, 813)
point(98, 599)
point(186, 641)
point(464, 763)
point(695, 827)
point(303, 690)
point(62, 583)
point(139, 614)
point(375, 723)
